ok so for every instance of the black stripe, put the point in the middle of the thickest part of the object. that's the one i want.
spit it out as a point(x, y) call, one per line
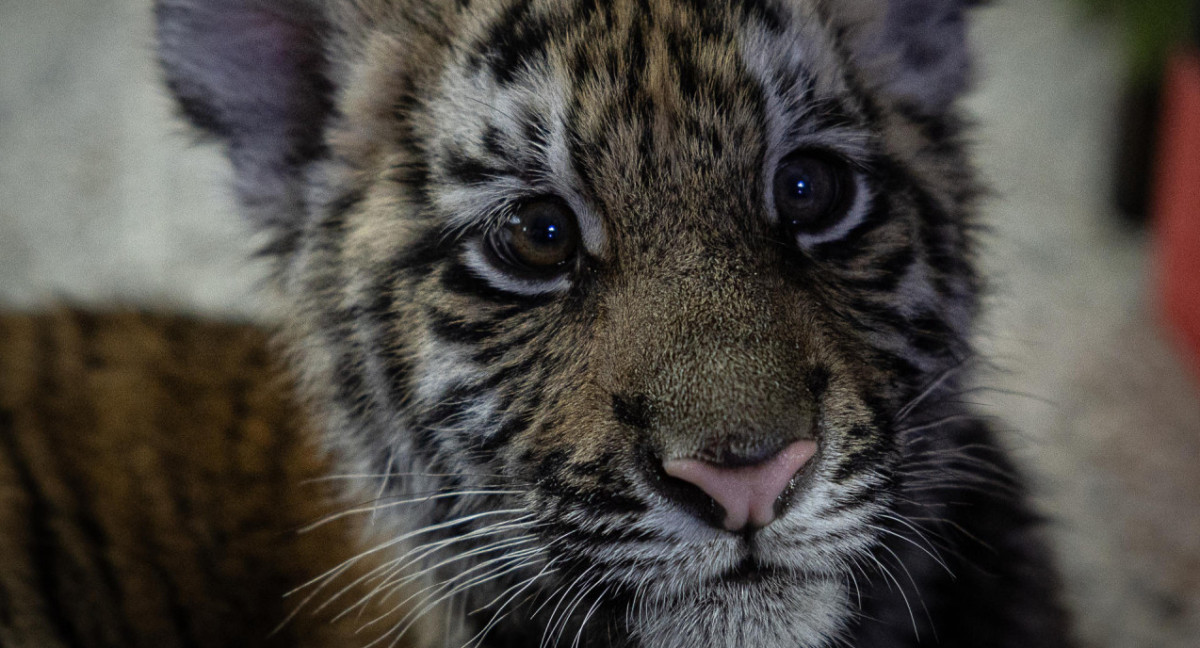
point(931, 334)
point(493, 141)
point(817, 382)
point(385, 353)
point(281, 243)
point(528, 398)
point(415, 176)
point(584, 540)
point(511, 427)
point(6, 605)
point(397, 371)
point(865, 459)
point(201, 113)
point(877, 316)
point(203, 557)
point(708, 18)
point(178, 614)
point(519, 416)
point(944, 130)
point(584, 154)
point(941, 233)
point(886, 273)
point(632, 410)
point(861, 431)
point(872, 113)
point(429, 428)
point(554, 470)
point(765, 12)
point(432, 246)
point(855, 500)
point(85, 520)
point(583, 10)
point(45, 546)
point(426, 441)
point(457, 329)
point(506, 373)
point(876, 404)
point(902, 371)
point(460, 279)
point(635, 55)
point(413, 173)
point(581, 67)
point(340, 208)
point(536, 132)
point(830, 113)
point(464, 169)
point(516, 38)
point(505, 345)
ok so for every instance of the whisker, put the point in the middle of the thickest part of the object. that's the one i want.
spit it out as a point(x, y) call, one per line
point(404, 502)
point(384, 482)
point(398, 539)
point(588, 615)
point(562, 593)
point(443, 591)
point(936, 558)
point(486, 549)
point(929, 389)
point(568, 611)
point(938, 423)
point(333, 477)
point(387, 581)
point(500, 611)
point(900, 589)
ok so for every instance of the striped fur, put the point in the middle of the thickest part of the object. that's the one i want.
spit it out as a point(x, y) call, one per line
point(511, 427)
point(153, 476)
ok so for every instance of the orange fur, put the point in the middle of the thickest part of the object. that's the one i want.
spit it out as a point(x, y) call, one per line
point(154, 472)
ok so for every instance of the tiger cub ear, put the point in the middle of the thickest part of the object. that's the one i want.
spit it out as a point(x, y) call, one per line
point(915, 51)
point(252, 73)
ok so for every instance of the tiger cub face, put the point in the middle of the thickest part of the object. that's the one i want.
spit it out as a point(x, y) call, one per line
point(620, 307)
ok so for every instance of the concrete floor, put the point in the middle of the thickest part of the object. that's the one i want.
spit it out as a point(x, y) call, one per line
point(103, 200)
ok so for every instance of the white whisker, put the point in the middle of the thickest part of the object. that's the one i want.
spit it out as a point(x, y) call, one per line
point(397, 540)
point(372, 509)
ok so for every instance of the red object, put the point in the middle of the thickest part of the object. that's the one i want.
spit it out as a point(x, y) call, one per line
point(1177, 202)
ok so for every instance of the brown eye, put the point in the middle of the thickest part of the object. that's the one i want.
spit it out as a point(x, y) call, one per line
point(541, 237)
point(813, 191)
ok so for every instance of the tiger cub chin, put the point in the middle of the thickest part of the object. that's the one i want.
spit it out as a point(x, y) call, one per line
point(633, 322)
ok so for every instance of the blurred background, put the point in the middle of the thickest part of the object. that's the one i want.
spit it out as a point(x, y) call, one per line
point(104, 199)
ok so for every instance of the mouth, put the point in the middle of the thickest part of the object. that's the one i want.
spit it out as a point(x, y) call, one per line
point(750, 571)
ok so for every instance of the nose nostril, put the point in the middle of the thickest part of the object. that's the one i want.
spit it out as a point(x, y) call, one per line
point(740, 457)
point(746, 492)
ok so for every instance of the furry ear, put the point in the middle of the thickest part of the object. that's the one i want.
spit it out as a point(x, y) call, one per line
point(913, 50)
point(252, 73)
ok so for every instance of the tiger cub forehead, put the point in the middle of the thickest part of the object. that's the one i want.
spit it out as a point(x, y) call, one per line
point(645, 117)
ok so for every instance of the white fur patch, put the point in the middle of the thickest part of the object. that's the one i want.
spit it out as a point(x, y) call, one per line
point(478, 262)
point(799, 614)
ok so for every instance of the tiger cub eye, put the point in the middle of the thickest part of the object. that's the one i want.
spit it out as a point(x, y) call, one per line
point(813, 191)
point(541, 236)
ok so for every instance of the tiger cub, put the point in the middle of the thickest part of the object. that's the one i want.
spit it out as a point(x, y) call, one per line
point(634, 323)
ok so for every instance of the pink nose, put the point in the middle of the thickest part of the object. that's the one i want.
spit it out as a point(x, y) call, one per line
point(747, 493)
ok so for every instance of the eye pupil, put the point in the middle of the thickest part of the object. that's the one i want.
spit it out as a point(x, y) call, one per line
point(543, 231)
point(540, 237)
point(813, 191)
